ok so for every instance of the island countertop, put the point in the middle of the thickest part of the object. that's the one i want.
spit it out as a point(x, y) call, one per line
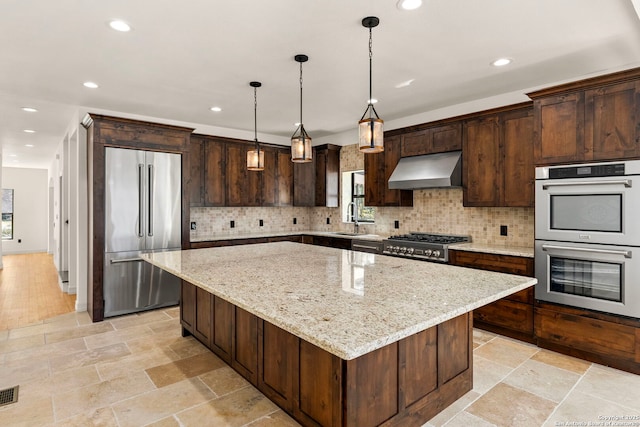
point(345, 302)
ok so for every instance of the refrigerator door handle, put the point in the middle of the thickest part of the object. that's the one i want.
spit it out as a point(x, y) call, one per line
point(118, 261)
point(151, 195)
point(140, 200)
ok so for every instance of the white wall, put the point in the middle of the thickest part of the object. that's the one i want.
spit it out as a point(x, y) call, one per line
point(30, 210)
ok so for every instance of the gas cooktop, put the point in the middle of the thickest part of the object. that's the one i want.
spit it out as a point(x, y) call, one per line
point(424, 246)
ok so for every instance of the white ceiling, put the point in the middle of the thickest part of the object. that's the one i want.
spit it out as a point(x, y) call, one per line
point(182, 57)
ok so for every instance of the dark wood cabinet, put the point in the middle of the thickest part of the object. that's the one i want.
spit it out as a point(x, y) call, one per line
point(196, 181)
point(598, 337)
point(243, 186)
point(596, 119)
point(512, 316)
point(378, 168)
point(207, 184)
point(436, 139)
point(195, 312)
point(269, 177)
point(304, 187)
point(328, 241)
point(497, 157)
point(284, 178)
point(187, 307)
point(327, 185)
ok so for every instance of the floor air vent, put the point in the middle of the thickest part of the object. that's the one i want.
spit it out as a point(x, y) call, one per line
point(8, 396)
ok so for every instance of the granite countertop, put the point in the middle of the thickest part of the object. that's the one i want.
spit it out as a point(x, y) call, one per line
point(494, 249)
point(338, 234)
point(347, 303)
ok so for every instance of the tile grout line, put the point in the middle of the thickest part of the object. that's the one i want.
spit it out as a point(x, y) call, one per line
point(567, 395)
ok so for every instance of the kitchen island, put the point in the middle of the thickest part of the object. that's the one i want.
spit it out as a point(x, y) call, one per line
point(337, 337)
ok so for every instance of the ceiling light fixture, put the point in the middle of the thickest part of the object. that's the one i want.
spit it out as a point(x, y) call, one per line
point(370, 132)
point(90, 85)
point(255, 157)
point(404, 83)
point(501, 62)
point(409, 4)
point(216, 109)
point(301, 141)
point(28, 145)
point(119, 25)
point(29, 109)
point(29, 131)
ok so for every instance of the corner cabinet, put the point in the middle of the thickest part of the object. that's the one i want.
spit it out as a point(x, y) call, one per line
point(596, 119)
point(497, 155)
point(378, 168)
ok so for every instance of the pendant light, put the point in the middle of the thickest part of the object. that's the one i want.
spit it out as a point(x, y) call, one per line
point(255, 157)
point(301, 141)
point(370, 132)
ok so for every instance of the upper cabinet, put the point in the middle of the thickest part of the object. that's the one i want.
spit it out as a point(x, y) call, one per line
point(597, 119)
point(435, 139)
point(243, 186)
point(327, 175)
point(378, 168)
point(497, 155)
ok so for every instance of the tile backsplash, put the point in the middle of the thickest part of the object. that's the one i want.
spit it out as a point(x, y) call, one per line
point(434, 210)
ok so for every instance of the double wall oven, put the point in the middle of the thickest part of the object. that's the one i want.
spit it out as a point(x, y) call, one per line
point(587, 249)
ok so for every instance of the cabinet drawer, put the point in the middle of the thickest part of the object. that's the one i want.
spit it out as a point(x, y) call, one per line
point(512, 315)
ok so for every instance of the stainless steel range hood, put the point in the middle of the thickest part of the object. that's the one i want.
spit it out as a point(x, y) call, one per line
point(428, 171)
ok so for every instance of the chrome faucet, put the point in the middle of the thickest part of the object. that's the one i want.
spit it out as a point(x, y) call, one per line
point(354, 216)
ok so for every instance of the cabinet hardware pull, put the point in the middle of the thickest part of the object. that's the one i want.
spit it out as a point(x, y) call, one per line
point(626, 254)
point(625, 182)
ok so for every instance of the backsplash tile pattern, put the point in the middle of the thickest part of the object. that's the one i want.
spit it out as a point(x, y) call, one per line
point(434, 210)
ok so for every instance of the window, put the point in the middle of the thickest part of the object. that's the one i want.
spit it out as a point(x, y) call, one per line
point(7, 214)
point(353, 192)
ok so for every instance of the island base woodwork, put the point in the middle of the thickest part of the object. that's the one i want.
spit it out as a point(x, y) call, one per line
point(404, 383)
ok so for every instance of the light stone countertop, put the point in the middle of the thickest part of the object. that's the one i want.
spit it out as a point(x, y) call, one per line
point(494, 249)
point(338, 234)
point(347, 303)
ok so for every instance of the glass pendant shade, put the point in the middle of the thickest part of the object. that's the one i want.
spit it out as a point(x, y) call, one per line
point(255, 159)
point(301, 151)
point(370, 133)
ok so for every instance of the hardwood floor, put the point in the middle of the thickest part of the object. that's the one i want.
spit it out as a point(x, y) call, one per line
point(29, 291)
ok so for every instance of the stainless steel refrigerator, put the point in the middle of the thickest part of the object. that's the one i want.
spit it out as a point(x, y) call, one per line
point(142, 214)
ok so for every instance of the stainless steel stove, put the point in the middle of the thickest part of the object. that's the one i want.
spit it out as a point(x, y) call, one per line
point(423, 246)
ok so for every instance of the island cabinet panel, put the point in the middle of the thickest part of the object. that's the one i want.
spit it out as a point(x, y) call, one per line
point(599, 337)
point(419, 366)
point(203, 326)
point(319, 396)
point(245, 344)
point(187, 308)
point(453, 346)
point(513, 315)
point(222, 331)
point(278, 362)
point(371, 395)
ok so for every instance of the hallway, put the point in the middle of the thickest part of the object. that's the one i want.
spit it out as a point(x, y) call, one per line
point(29, 291)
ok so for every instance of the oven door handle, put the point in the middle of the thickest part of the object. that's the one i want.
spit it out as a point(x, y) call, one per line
point(626, 254)
point(625, 182)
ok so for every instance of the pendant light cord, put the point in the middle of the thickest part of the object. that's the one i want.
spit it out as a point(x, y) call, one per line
point(370, 70)
point(301, 97)
point(255, 115)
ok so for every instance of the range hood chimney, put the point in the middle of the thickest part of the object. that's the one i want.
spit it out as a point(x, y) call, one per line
point(428, 171)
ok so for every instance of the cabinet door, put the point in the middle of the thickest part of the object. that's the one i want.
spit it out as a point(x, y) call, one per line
point(446, 138)
point(559, 129)
point(378, 168)
point(518, 168)
point(204, 316)
point(373, 179)
point(269, 178)
point(285, 178)
point(214, 173)
point(327, 176)
point(416, 143)
point(188, 306)
point(243, 186)
point(196, 183)
point(304, 184)
point(482, 176)
point(612, 121)
point(321, 177)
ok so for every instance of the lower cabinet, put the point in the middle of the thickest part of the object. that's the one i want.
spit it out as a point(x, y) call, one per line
point(400, 384)
point(511, 316)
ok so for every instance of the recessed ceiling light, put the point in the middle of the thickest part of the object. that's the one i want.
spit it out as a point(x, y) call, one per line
point(119, 25)
point(372, 101)
point(28, 145)
point(13, 155)
point(296, 124)
point(90, 85)
point(404, 83)
point(409, 4)
point(29, 131)
point(29, 109)
point(216, 109)
point(501, 62)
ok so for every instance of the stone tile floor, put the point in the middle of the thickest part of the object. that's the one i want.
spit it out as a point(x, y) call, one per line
point(137, 370)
